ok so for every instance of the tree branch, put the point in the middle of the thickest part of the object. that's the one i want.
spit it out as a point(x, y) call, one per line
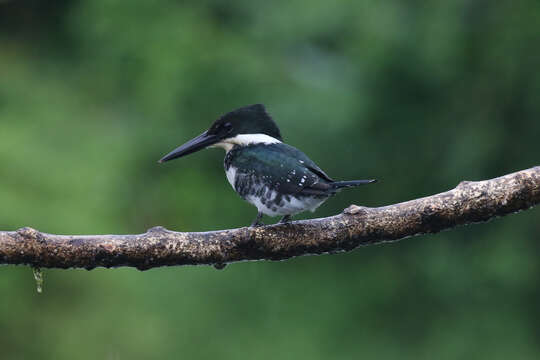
point(469, 202)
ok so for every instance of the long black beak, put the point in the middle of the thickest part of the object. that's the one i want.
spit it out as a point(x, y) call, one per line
point(196, 144)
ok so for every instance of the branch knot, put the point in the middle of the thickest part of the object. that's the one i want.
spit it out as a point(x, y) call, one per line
point(157, 229)
point(356, 210)
point(28, 233)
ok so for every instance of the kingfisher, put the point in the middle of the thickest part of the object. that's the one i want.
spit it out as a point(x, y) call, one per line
point(278, 179)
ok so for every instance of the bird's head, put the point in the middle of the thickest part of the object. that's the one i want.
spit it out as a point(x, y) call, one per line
point(243, 126)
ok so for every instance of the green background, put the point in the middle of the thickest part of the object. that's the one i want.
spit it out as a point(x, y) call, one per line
point(419, 95)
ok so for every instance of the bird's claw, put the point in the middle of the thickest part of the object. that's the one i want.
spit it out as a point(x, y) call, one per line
point(285, 219)
point(257, 222)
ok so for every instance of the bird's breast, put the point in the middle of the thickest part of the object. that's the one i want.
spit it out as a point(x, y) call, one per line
point(231, 175)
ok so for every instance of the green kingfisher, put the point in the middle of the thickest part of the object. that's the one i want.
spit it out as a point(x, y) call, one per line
point(277, 178)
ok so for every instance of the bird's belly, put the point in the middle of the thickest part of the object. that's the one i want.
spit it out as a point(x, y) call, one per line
point(275, 205)
point(266, 199)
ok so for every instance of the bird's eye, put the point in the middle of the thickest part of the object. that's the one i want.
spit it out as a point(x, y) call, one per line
point(227, 127)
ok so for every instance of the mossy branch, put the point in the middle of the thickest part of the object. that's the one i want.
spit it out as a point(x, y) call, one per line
point(469, 202)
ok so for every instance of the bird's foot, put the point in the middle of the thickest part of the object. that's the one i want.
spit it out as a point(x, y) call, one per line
point(257, 222)
point(285, 219)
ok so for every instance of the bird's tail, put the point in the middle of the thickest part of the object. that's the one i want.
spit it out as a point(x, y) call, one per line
point(351, 183)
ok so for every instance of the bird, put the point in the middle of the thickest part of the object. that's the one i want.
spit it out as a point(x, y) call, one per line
point(277, 178)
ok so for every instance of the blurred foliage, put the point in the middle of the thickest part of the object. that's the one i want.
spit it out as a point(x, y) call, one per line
point(420, 95)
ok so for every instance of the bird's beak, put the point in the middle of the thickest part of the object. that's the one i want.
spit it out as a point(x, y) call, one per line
point(200, 142)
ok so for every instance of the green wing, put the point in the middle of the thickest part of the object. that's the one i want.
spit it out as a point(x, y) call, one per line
point(285, 168)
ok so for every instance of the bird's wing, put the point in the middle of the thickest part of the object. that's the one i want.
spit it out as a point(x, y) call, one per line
point(285, 168)
point(302, 158)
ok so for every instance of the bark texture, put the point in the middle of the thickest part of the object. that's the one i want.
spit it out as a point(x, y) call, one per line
point(469, 202)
